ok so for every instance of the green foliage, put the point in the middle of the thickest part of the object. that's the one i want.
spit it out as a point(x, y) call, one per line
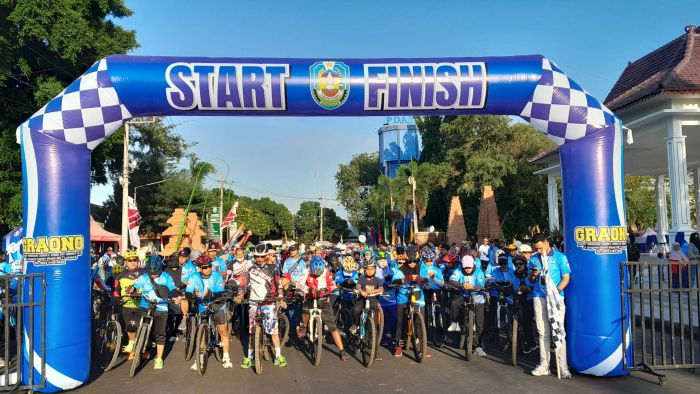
point(353, 183)
point(640, 202)
point(307, 219)
point(44, 46)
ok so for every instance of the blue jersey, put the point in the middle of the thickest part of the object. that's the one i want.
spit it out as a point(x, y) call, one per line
point(437, 281)
point(214, 283)
point(558, 266)
point(149, 292)
point(402, 292)
point(220, 263)
point(476, 279)
point(295, 267)
point(342, 276)
point(507, 276)
point(188, 269)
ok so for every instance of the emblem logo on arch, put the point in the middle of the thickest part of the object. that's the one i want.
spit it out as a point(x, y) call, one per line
point(329, 83)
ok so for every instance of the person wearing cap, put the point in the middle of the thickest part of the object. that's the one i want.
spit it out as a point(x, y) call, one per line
point(512, 252)
point(263, 284)
point(549, 276)
point(471, 282)
point(504, 277)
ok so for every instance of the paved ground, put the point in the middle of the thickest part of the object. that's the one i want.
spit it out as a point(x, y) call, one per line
point(445, 372)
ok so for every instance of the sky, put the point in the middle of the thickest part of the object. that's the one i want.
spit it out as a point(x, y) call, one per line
point(296, 157)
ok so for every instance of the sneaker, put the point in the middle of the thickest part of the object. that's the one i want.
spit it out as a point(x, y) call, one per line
point(226, 362)
point(2, 362)
point(194, 366)
point(183, 325)
point(344, 355)
point(541, 370)
point(565, 374)
point(530, 349)
point(454, 327)
point(480, 352)
point(280, 361)
point(129, 348)
point(132, 356)
point(428, 354)
point(158, 363)
point(353, 329)
point(398, 352)
point(247, 363)
point(173, 338)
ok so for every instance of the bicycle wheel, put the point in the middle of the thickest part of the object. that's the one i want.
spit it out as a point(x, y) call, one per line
point(190, 331)
point(469, 327)
point(258, 348)
point(138, 349)
point(380, 328)
point(110, 345)
point(345, 321)
point(217, 345)
point(419, 339)
point(283, 328)
point(368, 344)
point(318, 345)
point(202, 356)
point(514, 342)
point(437, 326)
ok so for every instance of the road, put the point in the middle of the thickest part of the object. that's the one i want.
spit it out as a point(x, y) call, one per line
point(446, 371)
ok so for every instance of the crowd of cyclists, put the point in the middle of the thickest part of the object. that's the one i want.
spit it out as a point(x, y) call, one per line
point(415, 295)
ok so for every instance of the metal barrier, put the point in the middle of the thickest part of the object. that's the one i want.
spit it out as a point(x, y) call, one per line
point(21, 309)
point(663, 301)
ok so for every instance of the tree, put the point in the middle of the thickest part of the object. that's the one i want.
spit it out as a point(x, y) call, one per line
point(353, 183)
point(44, 46)
point(307, 219)
point(640, 203)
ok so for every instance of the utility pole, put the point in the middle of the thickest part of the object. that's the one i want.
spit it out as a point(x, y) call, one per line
point(321, 229)
point(412, 181)
point(125, 191)
point(221, 212)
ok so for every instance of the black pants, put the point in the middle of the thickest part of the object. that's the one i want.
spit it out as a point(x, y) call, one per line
point(160, 320)
point(132, 317)
point(359, 305)
point(400, 308)
point(457, 315)
point(491, 319)
point(528, 322)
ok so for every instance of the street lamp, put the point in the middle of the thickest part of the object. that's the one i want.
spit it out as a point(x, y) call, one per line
point(412, 182)
point(148, 184)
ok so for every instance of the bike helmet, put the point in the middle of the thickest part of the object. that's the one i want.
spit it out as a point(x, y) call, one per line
point(317, 266)
point(349, 264)
point(260, 250)
point(450, 258)
point(203, 260)
point(429, 255)
point(381, 255)
point(412, 254)
point(154, 264)
point(173, 262)
point(131, 254)
point(370, 263)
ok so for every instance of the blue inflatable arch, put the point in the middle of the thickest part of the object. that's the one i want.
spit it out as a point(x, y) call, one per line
point(57, 141)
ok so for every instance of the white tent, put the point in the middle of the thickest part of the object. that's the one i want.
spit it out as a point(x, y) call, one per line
point(642, 239)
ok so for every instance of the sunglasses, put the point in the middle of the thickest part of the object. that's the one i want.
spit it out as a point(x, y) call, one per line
point(206, 267)
point(519, 264)
point(132, 260)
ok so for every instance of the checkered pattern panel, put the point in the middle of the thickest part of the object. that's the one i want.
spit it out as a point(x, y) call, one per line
point(84, 113)
point(564, 111)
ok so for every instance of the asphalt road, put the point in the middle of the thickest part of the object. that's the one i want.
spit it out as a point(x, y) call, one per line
point(446, 371)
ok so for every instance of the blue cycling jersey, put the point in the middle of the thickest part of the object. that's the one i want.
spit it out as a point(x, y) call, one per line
point(187, 269)
point(507, 276)
point(437, 281)
point(214, 284)
point(402, 292)
point(148, 291)
point(476, 279)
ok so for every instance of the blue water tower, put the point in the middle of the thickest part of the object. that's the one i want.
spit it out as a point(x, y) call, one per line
point(398, 144)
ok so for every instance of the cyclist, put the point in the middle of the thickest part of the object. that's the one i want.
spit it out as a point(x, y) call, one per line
point(472, 281)
point(433, 276)
point(528, 313)
point(368, 284)
point(128, 296)
point(345, 279)
point(504, 277)
point(205, 285)
point(319, 283)
point(512, 252)
point(157, 286)
point(408, 273)
point(449, 264)
point(187, 268)
point(263, 283)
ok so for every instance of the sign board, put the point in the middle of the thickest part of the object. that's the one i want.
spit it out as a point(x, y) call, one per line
point(214, 224)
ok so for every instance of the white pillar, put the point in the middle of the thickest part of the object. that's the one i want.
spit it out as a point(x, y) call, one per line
point(661, 209)
point(678, 176)
point(696, 186)
point(553, 202)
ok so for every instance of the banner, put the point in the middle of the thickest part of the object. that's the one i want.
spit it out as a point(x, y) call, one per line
point(232, 215)
point(57, 141)
point(134, 218)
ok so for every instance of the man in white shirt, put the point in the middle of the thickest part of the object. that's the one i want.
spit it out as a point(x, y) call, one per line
point(484, 250)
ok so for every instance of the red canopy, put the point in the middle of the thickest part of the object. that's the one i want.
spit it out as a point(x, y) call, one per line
point(98, 234)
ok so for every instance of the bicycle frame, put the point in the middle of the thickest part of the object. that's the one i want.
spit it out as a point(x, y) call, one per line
point(313, 312)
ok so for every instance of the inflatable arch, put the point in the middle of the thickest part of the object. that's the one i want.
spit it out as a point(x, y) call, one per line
point(56, 143)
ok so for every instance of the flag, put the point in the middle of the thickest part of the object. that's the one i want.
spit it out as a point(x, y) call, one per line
point(394, 237)
point(134, 218)
point(232, 214)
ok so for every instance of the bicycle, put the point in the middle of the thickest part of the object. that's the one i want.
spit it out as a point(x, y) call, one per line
point(108, 333)
point(504, 316)
point(143, 335)
point(191, 324)
point(466, 338)
point(342, 310)
point(436, 318)
point(315, 330)
point(414, 333)
point(366, 339)
point(208, 338)
point(517, 331)
point(262, 343)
